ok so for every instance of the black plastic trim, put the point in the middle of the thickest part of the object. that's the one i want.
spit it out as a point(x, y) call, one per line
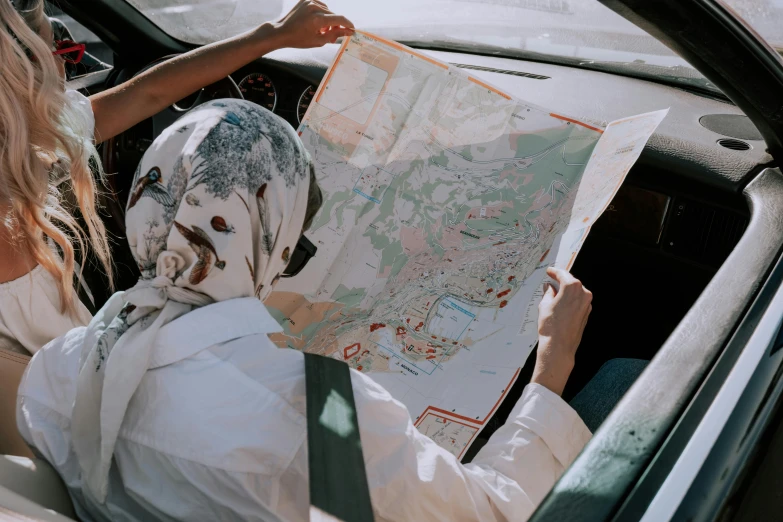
point(134, 32)
point(623, 448)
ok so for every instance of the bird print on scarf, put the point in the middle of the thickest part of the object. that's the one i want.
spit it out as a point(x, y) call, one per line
point(202, 245)
point(151, 185)
point(267, 239)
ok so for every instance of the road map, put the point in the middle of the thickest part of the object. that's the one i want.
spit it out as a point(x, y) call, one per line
point(445, 200)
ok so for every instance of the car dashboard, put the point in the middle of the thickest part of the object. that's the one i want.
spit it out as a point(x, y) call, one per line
point(681, 200)
point(668, 229)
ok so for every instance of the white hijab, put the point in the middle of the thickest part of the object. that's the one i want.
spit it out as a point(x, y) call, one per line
point(217, 208)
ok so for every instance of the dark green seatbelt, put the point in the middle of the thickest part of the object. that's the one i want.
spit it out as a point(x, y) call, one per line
point(338, 480)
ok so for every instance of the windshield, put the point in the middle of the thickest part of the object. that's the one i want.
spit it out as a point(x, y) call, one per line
point(579, 32)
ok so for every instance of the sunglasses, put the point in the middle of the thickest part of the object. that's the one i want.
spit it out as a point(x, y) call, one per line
point(303, 252)
point(70, 51)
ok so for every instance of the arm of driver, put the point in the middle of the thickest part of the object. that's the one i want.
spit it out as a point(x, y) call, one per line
point(412, 478)
point(119, 108)
point(308, 24)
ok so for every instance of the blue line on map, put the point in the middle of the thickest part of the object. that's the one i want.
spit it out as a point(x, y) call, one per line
point(463, 330)
point(366, 196)
point(447, 352)
point(374, 200)
point(455, 305)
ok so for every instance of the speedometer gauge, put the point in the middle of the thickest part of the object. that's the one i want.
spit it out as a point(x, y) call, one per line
point(304, 102)
point(259, 89)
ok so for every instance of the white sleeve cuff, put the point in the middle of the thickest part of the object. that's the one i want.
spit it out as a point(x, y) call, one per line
point(547, 415)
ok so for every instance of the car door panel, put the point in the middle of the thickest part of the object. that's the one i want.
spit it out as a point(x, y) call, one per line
point(612, 465)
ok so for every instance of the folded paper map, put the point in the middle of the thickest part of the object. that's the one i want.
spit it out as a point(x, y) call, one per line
point(445, 200)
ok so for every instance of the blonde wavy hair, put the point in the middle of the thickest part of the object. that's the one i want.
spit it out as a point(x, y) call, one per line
point(38, 129)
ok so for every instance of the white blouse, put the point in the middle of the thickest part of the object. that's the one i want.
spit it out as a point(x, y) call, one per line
point(217, 430)
point(30, 313)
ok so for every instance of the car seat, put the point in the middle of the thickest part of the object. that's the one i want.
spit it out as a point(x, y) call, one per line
point(12, 366)
point(28, 485)
point(29, 488)
point(16, 508)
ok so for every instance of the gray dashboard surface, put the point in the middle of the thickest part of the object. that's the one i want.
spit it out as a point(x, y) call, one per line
point(680, 146)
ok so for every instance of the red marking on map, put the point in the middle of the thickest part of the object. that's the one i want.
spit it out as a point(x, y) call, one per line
point(350, 351)
point(544, 256)
point(503, 304)
point(511, 278)
point(504, 293)
point(489, 290)
point(401, 330)
point(430, 357)
point(376, 326)
point(418, 326)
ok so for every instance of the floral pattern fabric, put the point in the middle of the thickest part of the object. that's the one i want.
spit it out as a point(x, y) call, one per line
point(217, 205)
point(208, 185)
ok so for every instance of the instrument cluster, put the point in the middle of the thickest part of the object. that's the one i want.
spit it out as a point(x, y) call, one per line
point(287, 97)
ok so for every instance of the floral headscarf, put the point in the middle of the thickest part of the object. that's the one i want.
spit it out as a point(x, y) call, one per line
point(216, 209)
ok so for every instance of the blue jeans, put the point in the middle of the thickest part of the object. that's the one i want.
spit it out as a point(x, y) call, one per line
point(594, 402)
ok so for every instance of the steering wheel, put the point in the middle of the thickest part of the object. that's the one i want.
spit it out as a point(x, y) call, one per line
point(223, 88)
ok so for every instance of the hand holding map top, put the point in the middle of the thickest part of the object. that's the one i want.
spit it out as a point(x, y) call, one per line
point(562, 317)
point(311, 24)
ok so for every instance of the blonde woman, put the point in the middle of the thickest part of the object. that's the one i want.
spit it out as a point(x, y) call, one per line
point(45, 129)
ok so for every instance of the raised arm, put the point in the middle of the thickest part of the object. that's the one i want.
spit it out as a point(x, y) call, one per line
point(412, 478)
point(309, 24)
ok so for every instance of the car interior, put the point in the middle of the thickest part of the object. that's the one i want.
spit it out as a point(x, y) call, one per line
point(677, 217)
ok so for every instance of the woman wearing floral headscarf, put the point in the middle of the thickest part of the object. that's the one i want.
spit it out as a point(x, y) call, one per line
point(174, 404)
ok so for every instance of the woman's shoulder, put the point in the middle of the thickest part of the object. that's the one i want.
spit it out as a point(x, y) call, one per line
point(51, 375)
point(81, 109)
point(31, 312)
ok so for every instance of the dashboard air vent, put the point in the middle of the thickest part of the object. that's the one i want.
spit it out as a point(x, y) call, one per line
point(703, 233)
point(733, 144)
point(501, 71)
